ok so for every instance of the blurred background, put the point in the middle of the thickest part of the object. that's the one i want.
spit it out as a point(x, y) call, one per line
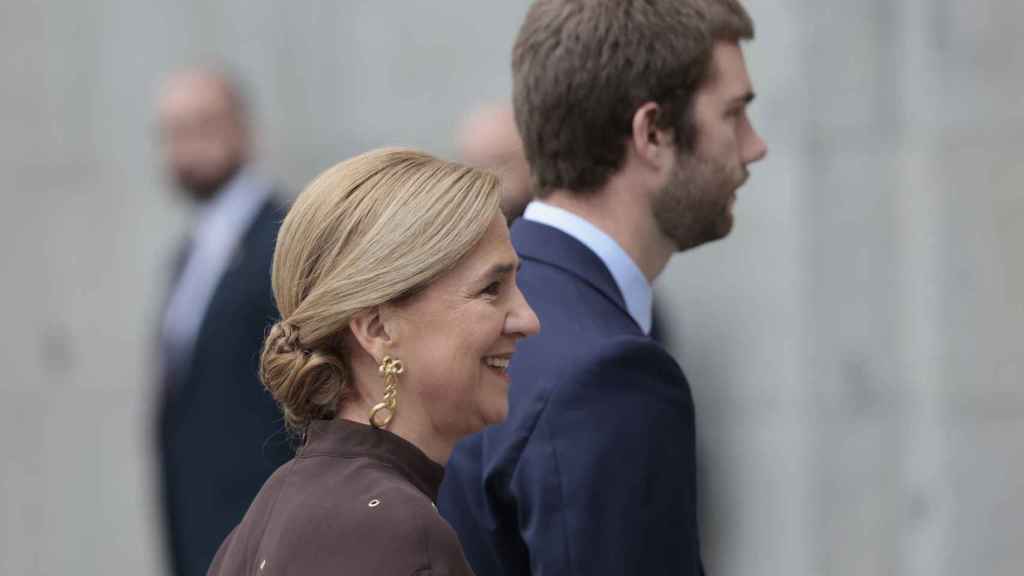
point(855, 346)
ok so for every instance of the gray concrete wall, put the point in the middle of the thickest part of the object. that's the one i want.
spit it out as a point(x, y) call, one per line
point(855, 347)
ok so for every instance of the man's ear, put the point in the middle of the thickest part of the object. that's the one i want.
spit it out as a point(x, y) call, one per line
point(652, 146)
point(373, 333)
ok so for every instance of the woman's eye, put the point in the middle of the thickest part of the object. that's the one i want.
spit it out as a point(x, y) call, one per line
point(493, 289)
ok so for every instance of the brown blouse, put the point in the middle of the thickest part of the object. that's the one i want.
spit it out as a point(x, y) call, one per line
point(354, 500)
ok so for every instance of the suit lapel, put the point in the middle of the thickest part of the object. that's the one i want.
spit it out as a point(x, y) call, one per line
point(234, 281)
point(237, 275)
point(543, 243)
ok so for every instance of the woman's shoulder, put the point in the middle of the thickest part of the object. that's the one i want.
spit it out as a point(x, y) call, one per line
point(400, 514)
point(337, 492)
point(383, 496)
point(370, 521)
point(401, 511)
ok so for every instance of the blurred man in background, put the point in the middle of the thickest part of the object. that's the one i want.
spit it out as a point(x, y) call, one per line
point(489, 139)
point(633, 118)
point(220, 435)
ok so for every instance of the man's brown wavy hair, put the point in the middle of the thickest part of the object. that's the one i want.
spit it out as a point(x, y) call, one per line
point(581, 69)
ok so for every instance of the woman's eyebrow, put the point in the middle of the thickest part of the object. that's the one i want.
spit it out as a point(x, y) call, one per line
point(502, 269)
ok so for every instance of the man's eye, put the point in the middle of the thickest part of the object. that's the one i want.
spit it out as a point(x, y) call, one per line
point(493, 289)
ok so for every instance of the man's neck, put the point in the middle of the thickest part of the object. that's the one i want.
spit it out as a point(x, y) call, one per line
point(623, 213)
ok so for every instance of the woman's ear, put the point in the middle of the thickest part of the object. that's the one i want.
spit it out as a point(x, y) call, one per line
point(372, 331)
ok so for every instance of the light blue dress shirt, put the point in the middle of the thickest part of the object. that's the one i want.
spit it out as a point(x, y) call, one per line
point(632, 283)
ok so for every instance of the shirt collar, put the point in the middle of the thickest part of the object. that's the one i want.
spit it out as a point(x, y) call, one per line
point(231, 209)
point(636, 290)
point(340, 437)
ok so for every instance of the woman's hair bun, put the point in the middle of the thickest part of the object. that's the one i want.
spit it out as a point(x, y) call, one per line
point(307, 385)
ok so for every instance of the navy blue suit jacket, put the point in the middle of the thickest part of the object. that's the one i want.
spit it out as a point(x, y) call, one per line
point(593, 471)
point(220, 434)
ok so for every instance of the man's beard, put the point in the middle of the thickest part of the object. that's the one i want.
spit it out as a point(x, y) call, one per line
point(696, 205)
point(201, 187)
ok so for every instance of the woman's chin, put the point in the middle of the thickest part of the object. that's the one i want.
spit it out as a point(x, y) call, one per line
point(497, 411)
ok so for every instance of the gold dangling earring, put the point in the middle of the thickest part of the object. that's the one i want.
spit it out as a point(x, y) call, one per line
point(384, 411)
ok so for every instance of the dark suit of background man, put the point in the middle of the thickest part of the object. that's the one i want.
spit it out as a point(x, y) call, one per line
point(633, 118)
point(220, 435)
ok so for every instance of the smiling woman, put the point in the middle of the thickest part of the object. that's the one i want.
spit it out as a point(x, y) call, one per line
point(395, 279)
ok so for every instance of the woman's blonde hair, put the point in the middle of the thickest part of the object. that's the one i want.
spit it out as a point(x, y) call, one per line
point(371, 230)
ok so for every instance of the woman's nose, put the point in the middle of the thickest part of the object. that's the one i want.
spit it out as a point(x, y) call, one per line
point(523, 320)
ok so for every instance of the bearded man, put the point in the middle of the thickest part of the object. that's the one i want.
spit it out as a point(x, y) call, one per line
point(219, 433)
point(633, 116)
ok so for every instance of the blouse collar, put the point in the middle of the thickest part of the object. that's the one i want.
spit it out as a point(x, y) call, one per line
point(340, 437)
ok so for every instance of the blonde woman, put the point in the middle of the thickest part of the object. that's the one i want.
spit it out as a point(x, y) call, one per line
point(395, 279)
